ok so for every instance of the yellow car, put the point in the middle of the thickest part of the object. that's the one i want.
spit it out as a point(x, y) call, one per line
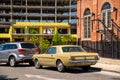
point(65, 56)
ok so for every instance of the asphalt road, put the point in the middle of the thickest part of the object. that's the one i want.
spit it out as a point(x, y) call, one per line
point(26, 72)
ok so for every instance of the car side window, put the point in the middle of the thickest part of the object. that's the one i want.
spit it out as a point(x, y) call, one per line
point(9, 46)
point(51, 50)
point(6, 47)
point(1, 47)
point(13, 46)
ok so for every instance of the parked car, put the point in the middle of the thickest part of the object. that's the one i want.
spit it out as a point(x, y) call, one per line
point(16, 52)
point(65, 56)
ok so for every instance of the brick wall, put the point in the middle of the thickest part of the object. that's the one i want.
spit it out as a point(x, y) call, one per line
point(98, 42)
point(95, 7)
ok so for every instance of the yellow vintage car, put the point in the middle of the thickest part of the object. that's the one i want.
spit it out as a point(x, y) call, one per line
point(65, 56)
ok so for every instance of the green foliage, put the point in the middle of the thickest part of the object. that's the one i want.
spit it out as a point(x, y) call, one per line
point(34, 30)
point(56, 39)
point(44, 45)
point(66, 40)
point(69, 40)
point(34, 39)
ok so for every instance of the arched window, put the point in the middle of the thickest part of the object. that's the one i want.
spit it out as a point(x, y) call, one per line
point(87, 23)
point(106, 14)
point(106, 6)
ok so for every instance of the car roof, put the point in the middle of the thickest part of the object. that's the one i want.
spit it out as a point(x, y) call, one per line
point(63, 45)
point(15, 42)
point(60, 46)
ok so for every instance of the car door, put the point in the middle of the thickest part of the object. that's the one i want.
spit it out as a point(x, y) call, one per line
point(50, 56)
point(1, 49)
point(4, 53)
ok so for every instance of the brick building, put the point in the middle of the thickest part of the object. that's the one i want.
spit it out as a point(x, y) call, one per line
point(98, 26)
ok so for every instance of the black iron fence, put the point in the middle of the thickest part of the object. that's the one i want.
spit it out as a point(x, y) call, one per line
point(109, 44)
point(103, 48)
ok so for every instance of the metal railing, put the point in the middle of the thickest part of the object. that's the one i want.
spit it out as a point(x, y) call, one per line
point(108, 46)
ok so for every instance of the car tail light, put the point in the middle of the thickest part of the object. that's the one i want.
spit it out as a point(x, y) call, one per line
point(21, 50)
point(96, 58)
point(72, 58)
point(37, 50)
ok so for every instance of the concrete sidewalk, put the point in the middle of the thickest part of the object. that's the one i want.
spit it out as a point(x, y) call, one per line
point(107, 64)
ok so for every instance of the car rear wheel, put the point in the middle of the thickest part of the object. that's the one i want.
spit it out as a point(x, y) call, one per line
point(37, 64)
point(86, 68)
point(8, 64)
point(12, 61)
point(60, 66)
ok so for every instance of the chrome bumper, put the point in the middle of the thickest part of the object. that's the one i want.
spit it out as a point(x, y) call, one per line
point(80, 61)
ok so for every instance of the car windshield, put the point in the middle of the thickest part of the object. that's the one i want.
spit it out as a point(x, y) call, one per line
point(27, 45)
point(72, 49)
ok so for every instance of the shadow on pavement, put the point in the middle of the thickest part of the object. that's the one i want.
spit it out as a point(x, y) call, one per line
point(75, 70)
point(18, 65)
point(5, 77)
point(116, 78)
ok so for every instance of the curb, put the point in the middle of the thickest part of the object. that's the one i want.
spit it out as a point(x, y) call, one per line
point(103, 69)
point(110, 71)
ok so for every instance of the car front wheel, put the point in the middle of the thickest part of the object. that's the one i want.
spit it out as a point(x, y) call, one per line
point(31, 63)
point(37, 64)
point(12, 62)
point(60, 66)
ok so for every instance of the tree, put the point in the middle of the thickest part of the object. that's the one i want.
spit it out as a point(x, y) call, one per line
point(56, 39)
point(44, 45)
point(69, 40)
point(66, 40)
point(34, 39)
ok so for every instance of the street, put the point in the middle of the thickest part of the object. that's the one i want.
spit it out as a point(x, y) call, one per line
point(26, 72)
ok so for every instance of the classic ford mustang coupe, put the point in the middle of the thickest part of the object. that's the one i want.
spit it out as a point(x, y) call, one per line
point(66, 56)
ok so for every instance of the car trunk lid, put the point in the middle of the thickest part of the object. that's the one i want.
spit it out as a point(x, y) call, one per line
point(83, 56)
point(28, 49)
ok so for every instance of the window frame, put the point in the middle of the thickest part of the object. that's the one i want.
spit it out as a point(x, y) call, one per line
point(87, 24)
point(9, 46)
point(53, 48)
point(106, 14)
